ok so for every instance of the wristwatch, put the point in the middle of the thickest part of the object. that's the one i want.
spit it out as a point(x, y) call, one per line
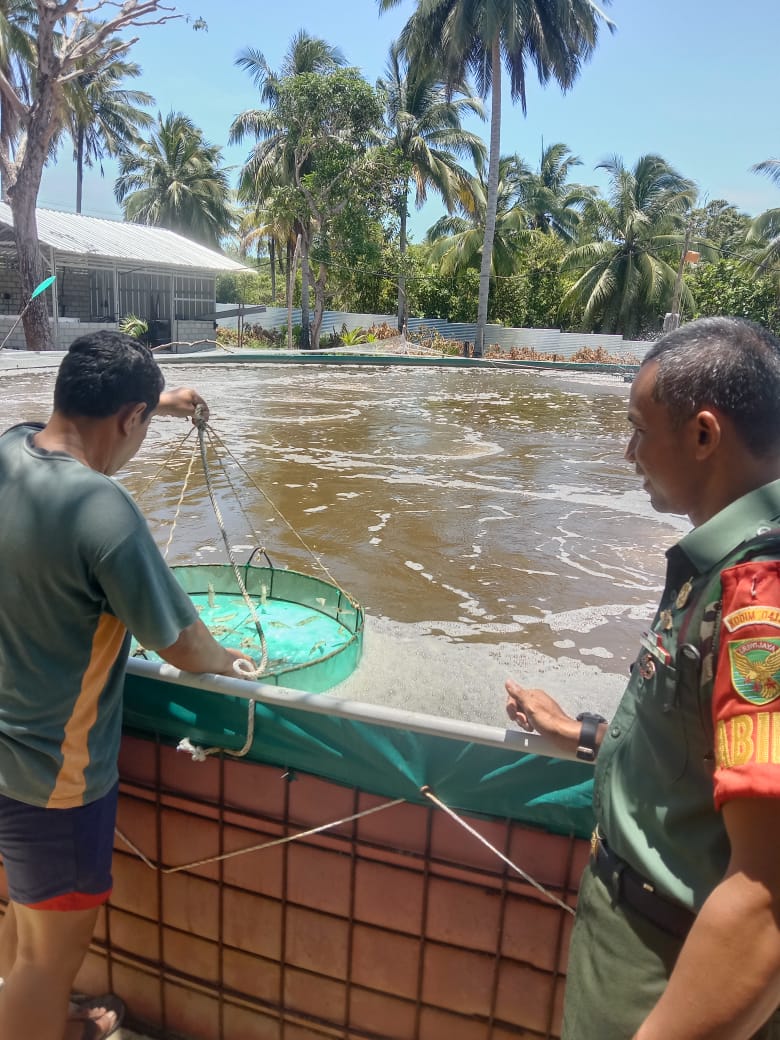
point(587, 749)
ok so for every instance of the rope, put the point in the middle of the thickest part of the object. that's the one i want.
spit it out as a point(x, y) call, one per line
point(164, 465)
point(216, 439)
point(255, 848)
point(338, 823)
point(193, 456)
point(241, 668)
point(526, 877)
point(200, 754)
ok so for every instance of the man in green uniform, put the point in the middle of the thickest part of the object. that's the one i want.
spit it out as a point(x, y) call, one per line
point(80, 572)
point(678, 924)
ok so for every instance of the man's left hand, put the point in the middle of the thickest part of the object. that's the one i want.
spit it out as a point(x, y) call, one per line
point(182, 403)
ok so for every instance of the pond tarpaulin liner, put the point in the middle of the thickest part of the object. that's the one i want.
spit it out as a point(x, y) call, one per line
point(382, 760)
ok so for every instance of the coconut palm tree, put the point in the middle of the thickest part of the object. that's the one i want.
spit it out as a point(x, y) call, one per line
point(763, 239)
point(270, 164)
point(624, 281)
point(771, 167)
point(458, 239)
point(17, 61)
point(474, 36)
point(104, 118)
point(424, 131)
point(762, 245)
point(552, 202)
point(176, 180)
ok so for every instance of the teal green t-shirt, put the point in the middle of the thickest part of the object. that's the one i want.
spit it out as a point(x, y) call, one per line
point(79, 572)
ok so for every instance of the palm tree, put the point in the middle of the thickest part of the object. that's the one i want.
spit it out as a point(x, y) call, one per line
point(458, 239)
point(763, 239)
point(771, 167)
point(625, 281)
point(425, 133)
point(553, 203)
point(176, 180)
point(17, 62)
point(270, 164)
point(762, 244)
point(473, 36)
point(104, 118)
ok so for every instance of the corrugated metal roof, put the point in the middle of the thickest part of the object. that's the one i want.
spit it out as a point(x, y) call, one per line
point(95, 237)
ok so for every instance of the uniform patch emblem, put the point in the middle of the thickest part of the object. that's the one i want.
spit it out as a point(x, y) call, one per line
point(755, 669)
point(646, 666)
point(753, 615)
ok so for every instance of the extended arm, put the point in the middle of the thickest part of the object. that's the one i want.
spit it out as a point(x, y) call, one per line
point(181, 403)
point(726, 983)
point(536, 710)
point(196, 650)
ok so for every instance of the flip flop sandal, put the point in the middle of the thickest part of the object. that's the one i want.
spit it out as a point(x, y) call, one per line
point(92, 1031)
point(82, 1004)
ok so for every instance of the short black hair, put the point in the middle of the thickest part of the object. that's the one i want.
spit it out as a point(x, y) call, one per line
point(102, 372)
point(729, 364)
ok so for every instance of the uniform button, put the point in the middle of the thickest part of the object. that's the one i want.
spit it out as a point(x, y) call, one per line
point(615, 731)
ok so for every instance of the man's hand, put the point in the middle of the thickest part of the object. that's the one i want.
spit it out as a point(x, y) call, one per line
point(182, 403)
point(237, 655)
point(536, 710)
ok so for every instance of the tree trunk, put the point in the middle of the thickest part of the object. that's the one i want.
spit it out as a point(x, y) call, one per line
point(305, 281)
point(319, 305)
point(272, 257)
point(402, 251)
point(79, 167)
point(37, 328)
point(492, 199)
point(292, 264)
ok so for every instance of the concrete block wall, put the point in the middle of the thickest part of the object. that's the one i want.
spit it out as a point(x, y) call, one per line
point(191, 331)
point(9, 283)
point(73, 299)
point(547, 341)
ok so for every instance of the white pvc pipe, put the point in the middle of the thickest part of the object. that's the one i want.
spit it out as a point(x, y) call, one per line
point(326, 704)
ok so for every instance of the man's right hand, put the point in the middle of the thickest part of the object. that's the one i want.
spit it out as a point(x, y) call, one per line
point(237, 655)
point(534, 709)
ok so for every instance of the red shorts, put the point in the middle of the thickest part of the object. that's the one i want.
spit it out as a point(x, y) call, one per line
point(58, 859)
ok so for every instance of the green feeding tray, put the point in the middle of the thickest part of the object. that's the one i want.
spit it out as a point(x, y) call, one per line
point(313, 630)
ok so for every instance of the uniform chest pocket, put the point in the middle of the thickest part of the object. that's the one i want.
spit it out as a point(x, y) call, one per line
point(667, 704)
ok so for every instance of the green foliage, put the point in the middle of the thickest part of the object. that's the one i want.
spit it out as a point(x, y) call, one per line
point(726, 287)
point(722, 224)
point(354, 337)
point(134, 326)
point(176, 180)
point(625, 278)
point(532, 298)
point(250, 288)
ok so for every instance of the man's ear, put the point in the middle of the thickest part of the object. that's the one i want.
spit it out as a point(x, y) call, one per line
point(131, 416)
point(709, 433)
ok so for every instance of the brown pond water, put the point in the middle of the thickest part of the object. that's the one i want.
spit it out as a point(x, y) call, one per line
point(486, 521)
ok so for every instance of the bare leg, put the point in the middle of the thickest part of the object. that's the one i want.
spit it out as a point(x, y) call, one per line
point(7, 941)
point(51, 946)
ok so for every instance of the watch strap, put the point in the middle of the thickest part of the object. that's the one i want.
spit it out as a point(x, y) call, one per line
point(587, 747)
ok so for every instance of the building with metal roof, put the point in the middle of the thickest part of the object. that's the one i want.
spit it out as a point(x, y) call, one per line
point(109, 269)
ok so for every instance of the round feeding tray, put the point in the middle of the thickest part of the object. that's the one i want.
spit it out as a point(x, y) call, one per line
point(313, 630)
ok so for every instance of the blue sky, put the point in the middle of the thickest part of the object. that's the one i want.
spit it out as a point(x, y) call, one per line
point(696, 81)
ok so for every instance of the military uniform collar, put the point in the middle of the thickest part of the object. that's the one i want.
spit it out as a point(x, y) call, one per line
point(753, 514)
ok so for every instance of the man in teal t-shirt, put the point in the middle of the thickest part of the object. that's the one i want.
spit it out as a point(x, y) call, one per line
point(678, 921)
point(80, 573)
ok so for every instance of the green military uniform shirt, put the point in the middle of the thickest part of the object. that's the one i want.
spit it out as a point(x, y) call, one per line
point(653, 793)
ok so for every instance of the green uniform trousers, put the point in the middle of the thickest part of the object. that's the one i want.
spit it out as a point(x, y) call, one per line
point(619, 964)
